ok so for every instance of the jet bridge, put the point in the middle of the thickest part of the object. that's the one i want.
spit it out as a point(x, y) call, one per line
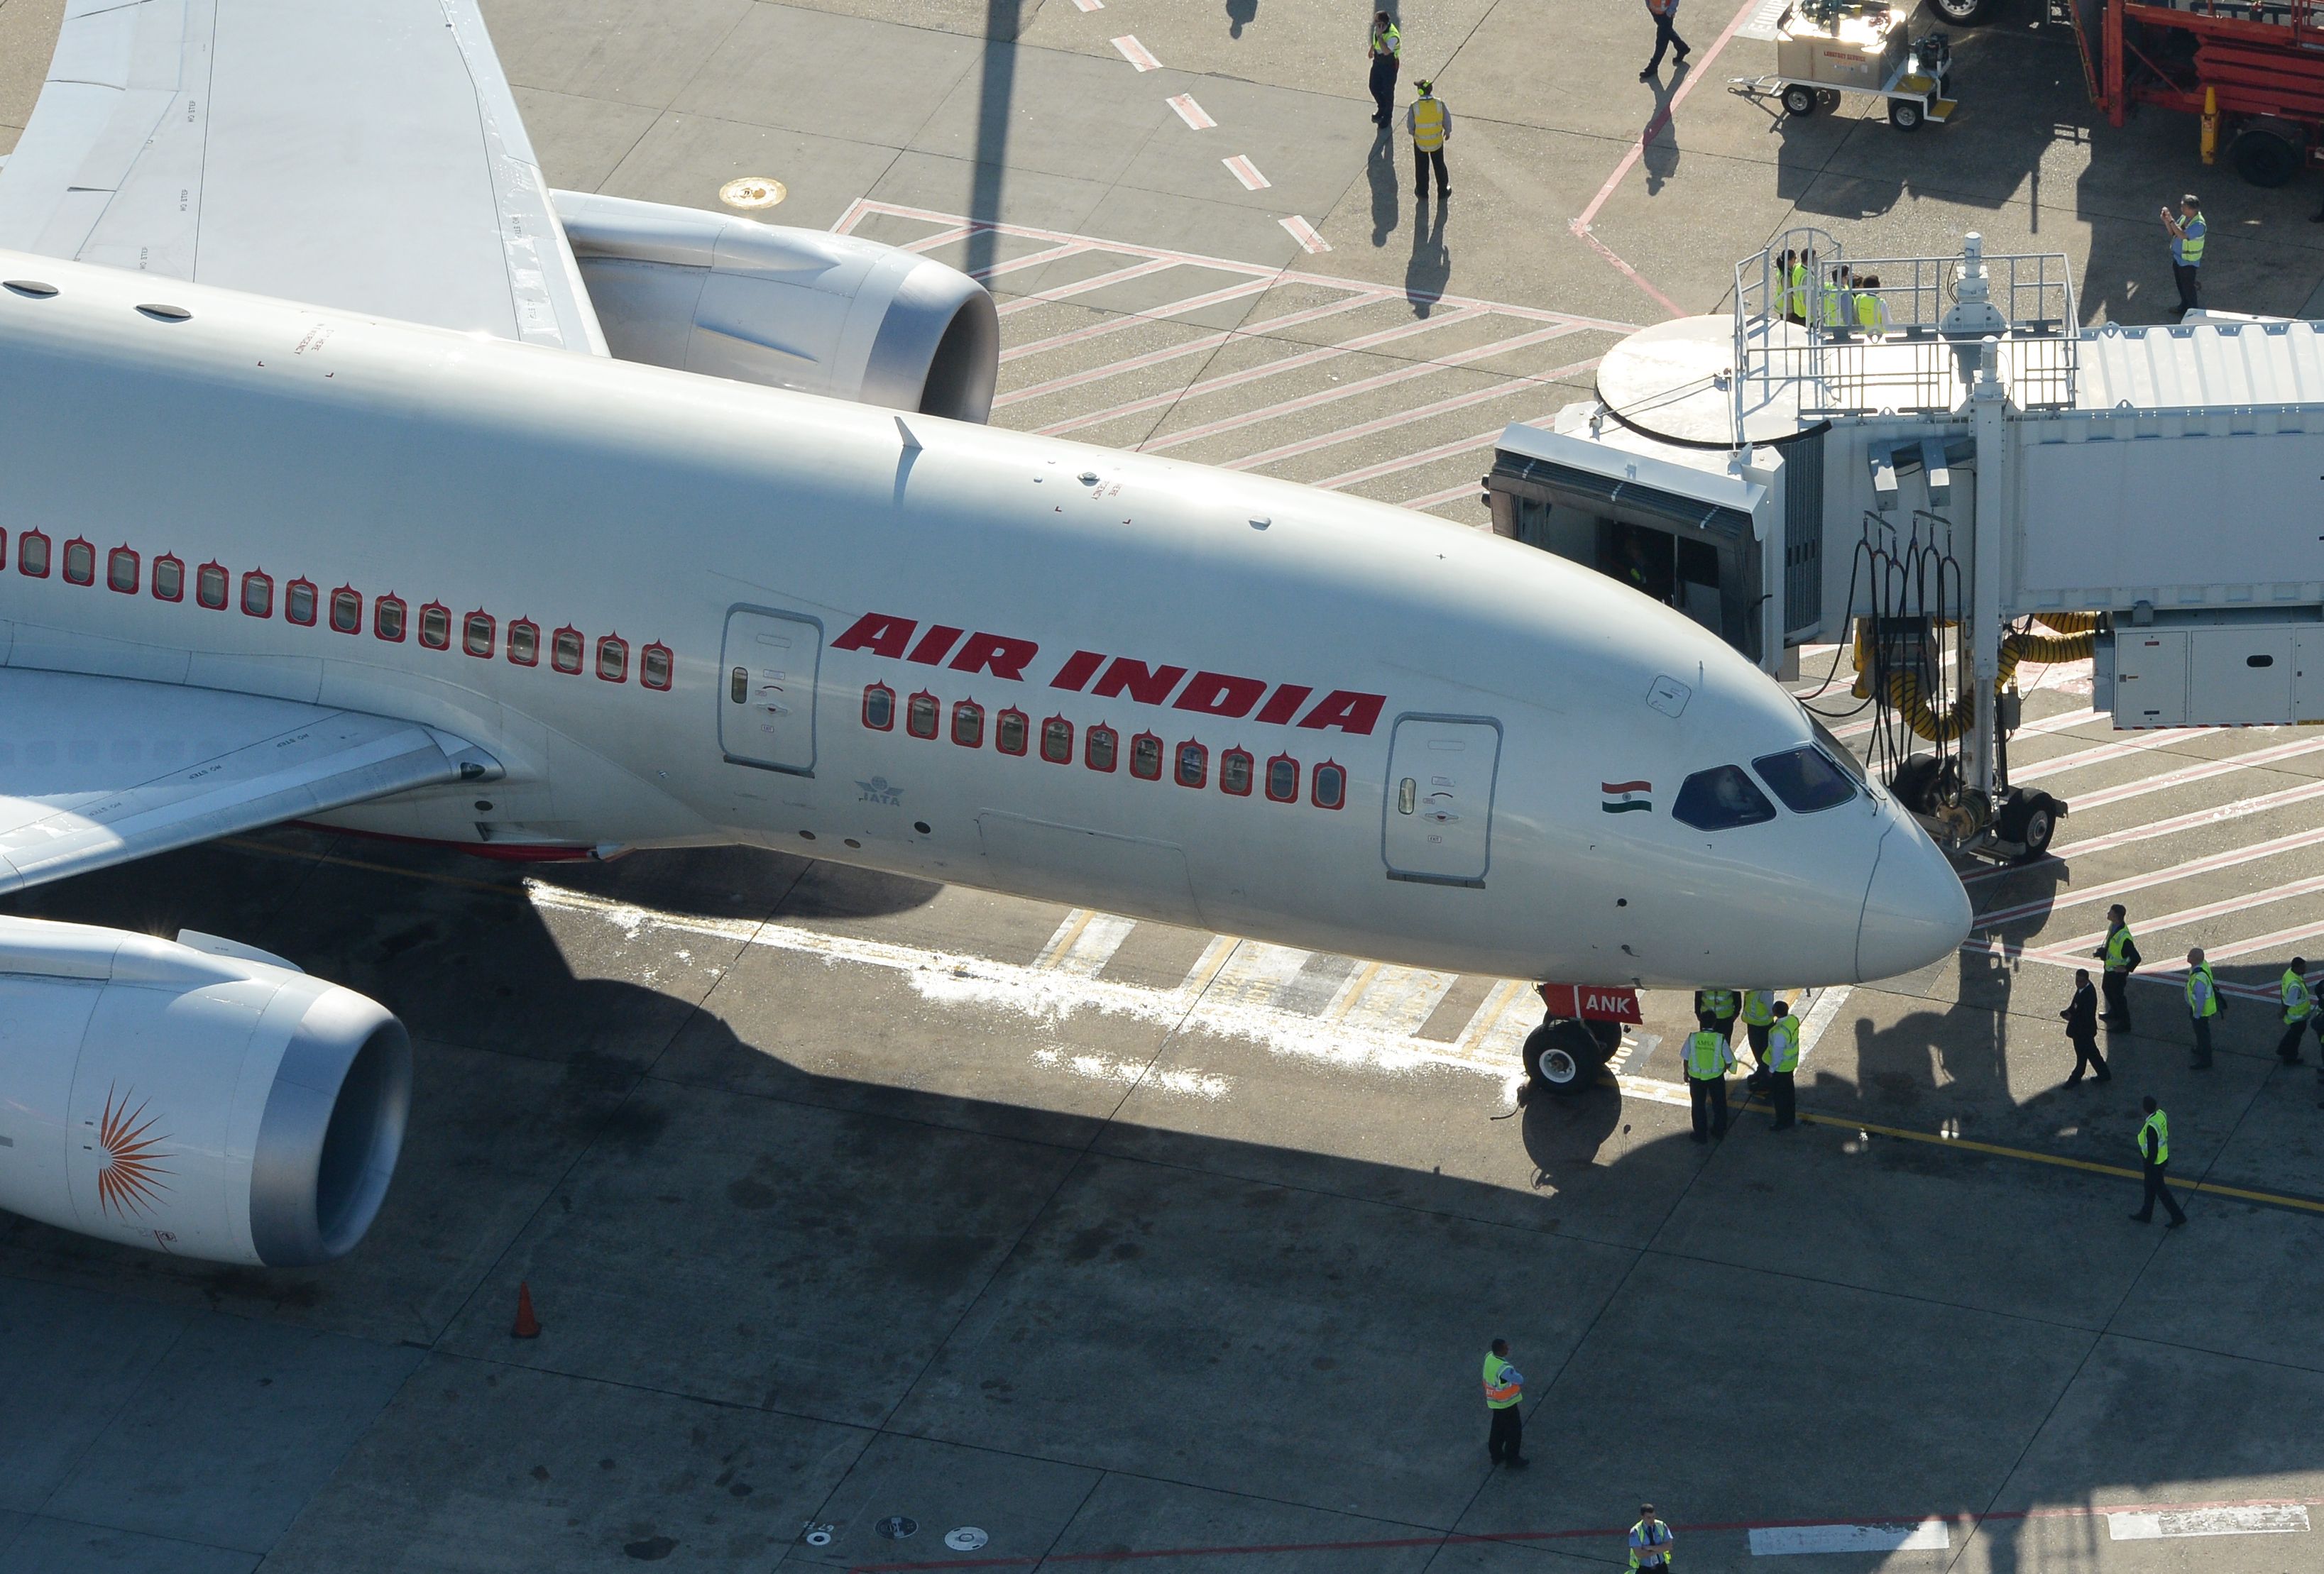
point(1929, 461)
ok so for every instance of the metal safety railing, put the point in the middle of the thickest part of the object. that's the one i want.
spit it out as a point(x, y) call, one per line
point(1829, 333)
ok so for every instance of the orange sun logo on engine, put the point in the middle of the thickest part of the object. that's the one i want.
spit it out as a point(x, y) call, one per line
point(128, 1178)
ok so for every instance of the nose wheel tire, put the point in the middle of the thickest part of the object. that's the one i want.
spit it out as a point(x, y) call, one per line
point(1564, 1057)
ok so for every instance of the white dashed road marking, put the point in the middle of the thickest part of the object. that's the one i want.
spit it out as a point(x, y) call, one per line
point(1190, 112)
point(1137, 53)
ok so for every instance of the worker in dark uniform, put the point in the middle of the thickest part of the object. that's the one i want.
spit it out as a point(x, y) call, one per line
point(1782, 1060)
point(2120, 954)
point(1504, 1398)
point(1758, 1015)
point(1715, 1008)
point(2298, 1009)
point(1386, 52)
point(2081, 1014)
point(2154, 1151)
point(1708, 1059)
point(1665, 15)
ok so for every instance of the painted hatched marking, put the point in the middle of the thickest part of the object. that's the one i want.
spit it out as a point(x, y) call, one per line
point(1304, 233)
point(1091, 5)
point(2150, 1525)
point(1137, 53)
point(1191, 112)
point(1243, 170)
point(1781, 1541)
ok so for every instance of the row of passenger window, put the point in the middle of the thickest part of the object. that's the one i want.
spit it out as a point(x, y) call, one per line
point(391, 615)
point(1101, 749)
point(1723, 797)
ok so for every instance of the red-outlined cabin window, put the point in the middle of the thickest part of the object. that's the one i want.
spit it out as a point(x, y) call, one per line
point(1190, 764)
point(968, 724)
point(564, 648)
point(1057, 740)
point(1283, 780)
point(169, 577)
point(390, 619)
point(33, 555)
point(1236, 768)
point(121, 570)
point(479, 633)
point(298, 603)
point(1012, 730)
point(613, 658)
point(1146, 756)
point(347, 609)
point(524, 642)
point(435, 626)
point(211, 582)
point(1328, 788)
point(655, 665)
point(878, 707)
point(257, 594)
point(80, 561)
point(921, 712)
point(1103, 750)
point(4, 549)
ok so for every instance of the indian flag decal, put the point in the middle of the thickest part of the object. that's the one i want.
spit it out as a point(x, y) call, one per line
point(1624, 797)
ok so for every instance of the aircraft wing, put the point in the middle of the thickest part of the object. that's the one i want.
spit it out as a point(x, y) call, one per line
point(360, 154)
point(100, 771)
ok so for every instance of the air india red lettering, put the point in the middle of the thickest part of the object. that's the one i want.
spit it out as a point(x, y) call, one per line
point(1218, 694)
point(1076, 674)
point(934, 644)
point(878, 633)
point(1348, 711)
point(1284, 704)
point(1148, 686)
point(997, 654)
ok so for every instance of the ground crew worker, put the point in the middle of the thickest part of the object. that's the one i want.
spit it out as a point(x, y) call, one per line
point(2187, 233)
point(1708, 1059)
point(1715, 1008)
point(2154, 1150)
point(2298, 1006)
point(2081, 1014)
point(1758, 1015)
point(1430, 125)
point(1387, 50)
point(1650, 1540)
point(1504, 1389)
point(1783, 1060)
point(2202, 1004)
point(1665, 15)
point(2120, 954)
point(1796, 287)
point(1833, 306)
point(1871, 311)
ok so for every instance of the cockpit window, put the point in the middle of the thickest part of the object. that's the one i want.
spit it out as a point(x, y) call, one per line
point(1720, 800)
point(1804, 779)
point(1842, 756)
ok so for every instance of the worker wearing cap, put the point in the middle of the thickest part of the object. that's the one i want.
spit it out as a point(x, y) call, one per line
point(2155, 1153)
point(1430, 125)
point(1387, 50)
point(1665, 15)
point(2186, 231)
point(1782, 1060)
point(1650, 1541)
point(1708, 1059)
point(2298, 1009)
point(2120, 954)
point(1504, 1396)
point(2203, 1003)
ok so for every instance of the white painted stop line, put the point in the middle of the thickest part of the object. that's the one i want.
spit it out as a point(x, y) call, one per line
point(1908, 1536)
point(1137, 53)
point(2274, 1520)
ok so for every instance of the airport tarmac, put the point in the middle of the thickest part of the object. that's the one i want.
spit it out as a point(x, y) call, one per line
point(859, 1212)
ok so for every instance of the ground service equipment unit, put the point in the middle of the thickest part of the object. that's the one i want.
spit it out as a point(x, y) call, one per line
point(1825, 49)
point(1984, 483)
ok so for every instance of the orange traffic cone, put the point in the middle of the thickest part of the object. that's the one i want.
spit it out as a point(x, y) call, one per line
point(527, 1326)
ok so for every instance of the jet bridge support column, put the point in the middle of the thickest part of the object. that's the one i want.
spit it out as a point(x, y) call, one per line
point(1989, 423)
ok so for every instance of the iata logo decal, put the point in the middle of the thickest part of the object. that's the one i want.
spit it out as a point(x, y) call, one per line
point(1626, 797)
point(877, 791)
point(129, 1176)
point(1105, 676)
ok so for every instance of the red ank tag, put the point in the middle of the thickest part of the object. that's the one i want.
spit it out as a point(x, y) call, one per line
point(1591, 1002)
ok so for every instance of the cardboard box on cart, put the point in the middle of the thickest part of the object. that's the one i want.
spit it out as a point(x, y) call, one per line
point(1857, 51)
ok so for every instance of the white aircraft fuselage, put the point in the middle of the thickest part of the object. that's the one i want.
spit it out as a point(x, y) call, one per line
point(803, 577)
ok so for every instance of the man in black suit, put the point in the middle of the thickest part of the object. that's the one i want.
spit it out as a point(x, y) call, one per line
point(2081, 1014)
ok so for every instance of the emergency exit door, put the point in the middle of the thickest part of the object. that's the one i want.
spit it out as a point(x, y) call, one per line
point(765, 706)
point(1440, 799)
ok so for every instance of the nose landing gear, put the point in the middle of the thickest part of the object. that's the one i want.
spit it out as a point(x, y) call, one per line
point(1564, 1057)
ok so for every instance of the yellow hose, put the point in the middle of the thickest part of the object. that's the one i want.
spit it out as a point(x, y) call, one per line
point(2076, 637)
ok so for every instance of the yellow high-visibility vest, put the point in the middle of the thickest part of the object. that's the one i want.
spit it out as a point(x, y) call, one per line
point(1783, 1045)
point(1428, 124)
point(1501, 1390)
point(2160, 1127)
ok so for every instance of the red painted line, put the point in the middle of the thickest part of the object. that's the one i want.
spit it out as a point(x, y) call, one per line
point(2204, 772)
point(1632, 274)
point(1363, 385)
point(1243, 170)
point(1137, 53)
point(1638, 149)
point(1157, 314)
point(1311, 239)
point(1031, 259)
point(847, 221)
point(1412, 460)
point(1252, 374)
point(1195, 346)
point(1119, 276)
point(1192, 112)
point(2144, 743)
point(1439, 499)
point(1972, 1519)
point(1397, 417)
point(943, 237)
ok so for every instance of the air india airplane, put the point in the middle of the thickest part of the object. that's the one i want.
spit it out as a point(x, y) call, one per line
point(350, 475)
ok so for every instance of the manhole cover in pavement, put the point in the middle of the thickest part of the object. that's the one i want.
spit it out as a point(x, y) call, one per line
point(966, 1539)
point(752, 191)
point(896, 1527)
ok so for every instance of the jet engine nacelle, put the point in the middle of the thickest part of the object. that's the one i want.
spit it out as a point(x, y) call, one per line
point(788, 307)
point(193, 1097)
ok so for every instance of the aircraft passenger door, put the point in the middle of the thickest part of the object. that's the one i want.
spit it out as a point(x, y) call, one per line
point(1440, 799)
point(766, 702)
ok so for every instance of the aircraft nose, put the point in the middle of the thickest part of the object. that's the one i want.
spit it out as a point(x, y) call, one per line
point(1915, 911)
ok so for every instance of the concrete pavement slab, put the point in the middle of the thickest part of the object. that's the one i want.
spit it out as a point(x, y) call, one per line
point(481, 1469)
point(808, 71)
point(1048, 111)
point(1181, 1527)
point(42, 1544)
point(72, 1358)
point(1316, 46)
point(223, 1443)
point(833, 898)
point(592, 136)
point(762, 1241)
point(1236, 224)
point(685, 159)
point(1020, 1504)
point(1214, 1302)
point(1305, 144)
point(634, 51)
point(986, 191)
